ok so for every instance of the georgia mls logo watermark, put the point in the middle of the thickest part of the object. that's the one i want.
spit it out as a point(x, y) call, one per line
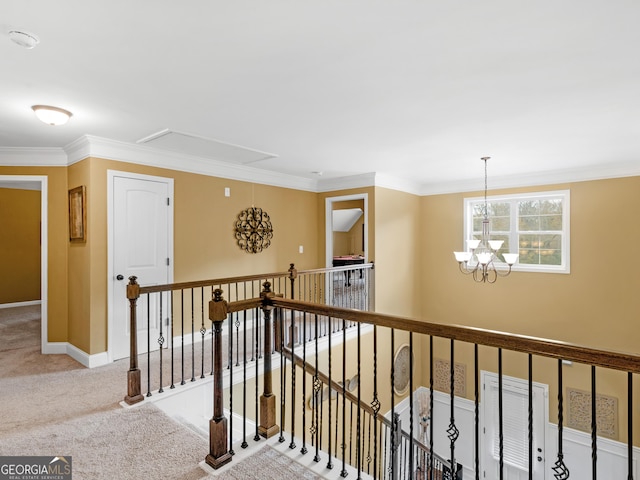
point(35, 468)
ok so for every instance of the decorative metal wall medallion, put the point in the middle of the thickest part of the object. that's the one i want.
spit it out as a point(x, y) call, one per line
point(442, 377)
point(401, 370)
point(253, 230)
point(579, 412)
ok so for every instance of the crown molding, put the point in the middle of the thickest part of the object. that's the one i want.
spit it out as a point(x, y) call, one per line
point(97, 147)
point(345, 183)
point(572, 175)
point(33, 157)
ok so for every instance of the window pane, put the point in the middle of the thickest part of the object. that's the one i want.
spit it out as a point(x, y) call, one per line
point(528, 224)
point(540, 249)
point(553, 206)
point(551, 222)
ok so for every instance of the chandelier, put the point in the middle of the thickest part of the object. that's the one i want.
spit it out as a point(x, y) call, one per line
point(479, 260)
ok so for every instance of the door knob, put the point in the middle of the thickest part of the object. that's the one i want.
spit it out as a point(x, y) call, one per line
point(119, 277)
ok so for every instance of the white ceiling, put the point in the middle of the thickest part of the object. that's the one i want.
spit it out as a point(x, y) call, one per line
point(414, 90)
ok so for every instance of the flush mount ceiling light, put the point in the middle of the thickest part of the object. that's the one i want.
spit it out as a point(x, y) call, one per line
point(24, 39)
point(52, 115)
point(482, 255)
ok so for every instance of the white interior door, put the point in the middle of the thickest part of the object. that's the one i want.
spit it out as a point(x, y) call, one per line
point(515, 412)
point(142, 233)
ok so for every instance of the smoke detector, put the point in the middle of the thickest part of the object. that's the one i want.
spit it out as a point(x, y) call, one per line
point(24, 39)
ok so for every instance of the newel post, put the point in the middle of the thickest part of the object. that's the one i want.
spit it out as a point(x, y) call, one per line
point(267, 427)
point(218, 449)
point(133, 375)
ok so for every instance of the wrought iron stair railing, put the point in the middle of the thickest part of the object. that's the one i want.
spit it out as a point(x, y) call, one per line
point(298, 380)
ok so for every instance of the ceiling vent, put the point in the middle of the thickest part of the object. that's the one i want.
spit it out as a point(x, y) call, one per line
point(195, 145)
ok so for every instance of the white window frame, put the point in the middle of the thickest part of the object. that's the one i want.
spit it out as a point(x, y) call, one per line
point(566, 240)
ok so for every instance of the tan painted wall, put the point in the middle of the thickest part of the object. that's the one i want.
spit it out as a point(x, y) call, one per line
point(19, 245)
point(595, 305)
point(399, 247)
point(204, 243)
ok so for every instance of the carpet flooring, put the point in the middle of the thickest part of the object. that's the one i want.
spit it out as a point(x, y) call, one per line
point(52, 405)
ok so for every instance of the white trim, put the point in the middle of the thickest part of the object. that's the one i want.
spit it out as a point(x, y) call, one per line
point(33, 157)
point(55, 348)
point(111, 175)
point(90, 146)
point(20, 304)
point(89, 361)
point(565, 266)
point(329, 201)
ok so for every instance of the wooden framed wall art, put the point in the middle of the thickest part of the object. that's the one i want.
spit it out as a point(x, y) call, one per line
point(77, 214)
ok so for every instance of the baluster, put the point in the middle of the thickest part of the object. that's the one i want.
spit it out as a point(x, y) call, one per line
point(411, 458)
point(452, 431)
point(237, 324)
point(375, 402)
point(561, 472)
point(317, 386)
point(431, 406)
point(193, 341)
point(396, 428)
point(171, 337)
point(255, 339)
point(500, 416)
point(359, 435)
point(343, 472)
point(630, 426)
point(182, 382)
point(212, 349)
point(230, 367)
point(283, 363)
point(161, 342)
point(303, 450)
point(394, 438)
point(292, 444)
point(329, 464)
point(476, 403)
point(369, 446)
point(317, 458)
point(594, 427)
point(148, 344)
point(203, 330)
point(244, 381)
point(134, 394)
point(335, 431)
point(530, 427)
point(218, 453)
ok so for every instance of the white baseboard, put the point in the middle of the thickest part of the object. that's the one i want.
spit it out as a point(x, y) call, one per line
point(65, 348)
point(20, 304)
point(54, 348)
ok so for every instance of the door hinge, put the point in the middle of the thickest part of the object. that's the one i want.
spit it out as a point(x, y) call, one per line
point(168, 262)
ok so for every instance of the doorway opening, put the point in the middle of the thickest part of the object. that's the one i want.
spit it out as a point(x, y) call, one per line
point(356, 242)
point(37, 182)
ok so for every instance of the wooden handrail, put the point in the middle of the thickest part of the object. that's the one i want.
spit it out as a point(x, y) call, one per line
point(518, 343)
point(246, 278)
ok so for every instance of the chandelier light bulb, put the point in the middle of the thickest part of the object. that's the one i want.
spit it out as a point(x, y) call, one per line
point(52, 115)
